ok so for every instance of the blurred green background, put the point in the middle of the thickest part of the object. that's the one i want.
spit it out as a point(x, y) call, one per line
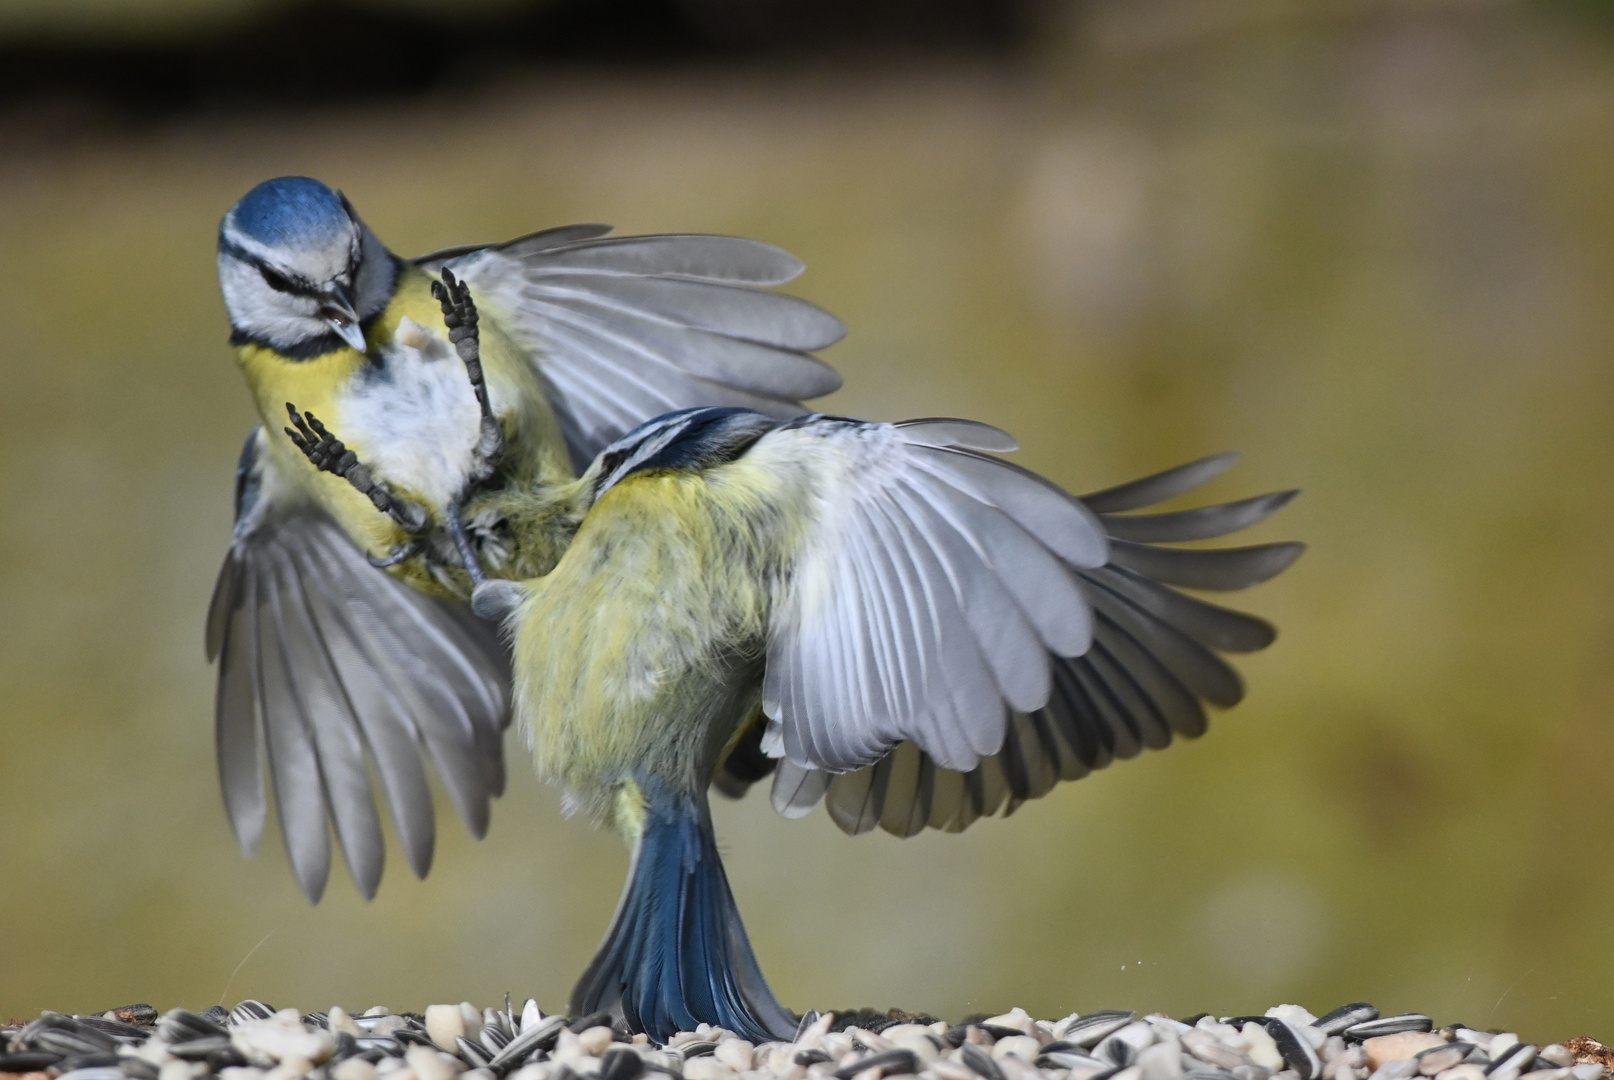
point(1370, 244)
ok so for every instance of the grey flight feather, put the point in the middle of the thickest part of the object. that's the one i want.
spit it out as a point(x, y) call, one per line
point(985, 582)
point(1218, 570)
point(1137, 494)
point(331, 670)
point(1202, 523)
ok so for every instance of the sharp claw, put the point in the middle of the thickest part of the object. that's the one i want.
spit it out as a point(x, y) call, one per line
point(399, 553)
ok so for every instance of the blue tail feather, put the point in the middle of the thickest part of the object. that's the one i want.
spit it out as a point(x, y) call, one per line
point(677, 955)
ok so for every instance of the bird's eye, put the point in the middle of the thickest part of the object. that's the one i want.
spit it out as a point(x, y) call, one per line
point(277, 282)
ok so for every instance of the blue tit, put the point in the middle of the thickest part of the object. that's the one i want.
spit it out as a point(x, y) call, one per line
point(897, 621)
point(339, 618)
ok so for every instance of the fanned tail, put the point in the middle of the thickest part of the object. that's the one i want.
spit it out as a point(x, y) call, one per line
point(676, 955)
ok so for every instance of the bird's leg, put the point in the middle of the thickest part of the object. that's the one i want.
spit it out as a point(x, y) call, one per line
point(328, 454)
point(455, 525)
point(459, 315)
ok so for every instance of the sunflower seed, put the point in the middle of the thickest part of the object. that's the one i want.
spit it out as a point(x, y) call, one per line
point(250, 1010)
point(1346, 1016)
point(73, 1041)
point(1118, 1052)
point(1088, 1031)
point(980, 1062)
point(1296, 1050)
point(1511, 1062)
point(473, 1054)
point(888, 1062)
point(620, 1063)
point(1389, 1025)
point(178, 1025)
point(1121, 1046)
point(346, 1045)
point(380, 1044)
point(494, 1037)
point(1440, 1058)
point(199, 1049)
point(530, 1041)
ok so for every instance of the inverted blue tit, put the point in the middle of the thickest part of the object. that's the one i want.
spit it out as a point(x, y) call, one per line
point(339, 618)
point(891, 618)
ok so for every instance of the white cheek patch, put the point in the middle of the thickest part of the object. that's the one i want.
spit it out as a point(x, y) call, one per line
point(414, 419)
point(263, 312)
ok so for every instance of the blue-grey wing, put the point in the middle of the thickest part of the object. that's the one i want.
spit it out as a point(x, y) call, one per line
point(330, 669)
point(623, 329)
point(905, 696)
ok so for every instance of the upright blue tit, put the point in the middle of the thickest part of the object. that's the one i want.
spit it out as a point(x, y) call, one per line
point(900, 623)
point(338, 620)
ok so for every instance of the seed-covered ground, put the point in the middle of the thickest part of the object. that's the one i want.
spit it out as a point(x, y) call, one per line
point(256, 1042)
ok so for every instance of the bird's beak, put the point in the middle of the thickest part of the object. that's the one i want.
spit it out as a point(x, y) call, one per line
point(337, 311)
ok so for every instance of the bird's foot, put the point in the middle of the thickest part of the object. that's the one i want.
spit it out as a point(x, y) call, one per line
point(329, 454)
point(400, 553)
point(460, 316)
point(496, 598)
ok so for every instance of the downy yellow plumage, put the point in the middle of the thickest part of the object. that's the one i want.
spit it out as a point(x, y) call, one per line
point(630, 648)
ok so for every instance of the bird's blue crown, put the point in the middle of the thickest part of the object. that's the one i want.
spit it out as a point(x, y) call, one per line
point(291, 210)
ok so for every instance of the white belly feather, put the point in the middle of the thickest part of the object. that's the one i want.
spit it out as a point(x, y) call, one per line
point(413, 419)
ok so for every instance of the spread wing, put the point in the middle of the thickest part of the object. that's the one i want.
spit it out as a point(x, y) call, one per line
point(960, 635)
point(623, 329)
point(330, 670)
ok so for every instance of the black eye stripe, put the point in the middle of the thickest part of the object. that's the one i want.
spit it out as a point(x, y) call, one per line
point(276, 281)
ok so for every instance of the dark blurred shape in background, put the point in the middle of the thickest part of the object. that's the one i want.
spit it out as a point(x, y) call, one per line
point(307, 52)
point(1368, 242)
